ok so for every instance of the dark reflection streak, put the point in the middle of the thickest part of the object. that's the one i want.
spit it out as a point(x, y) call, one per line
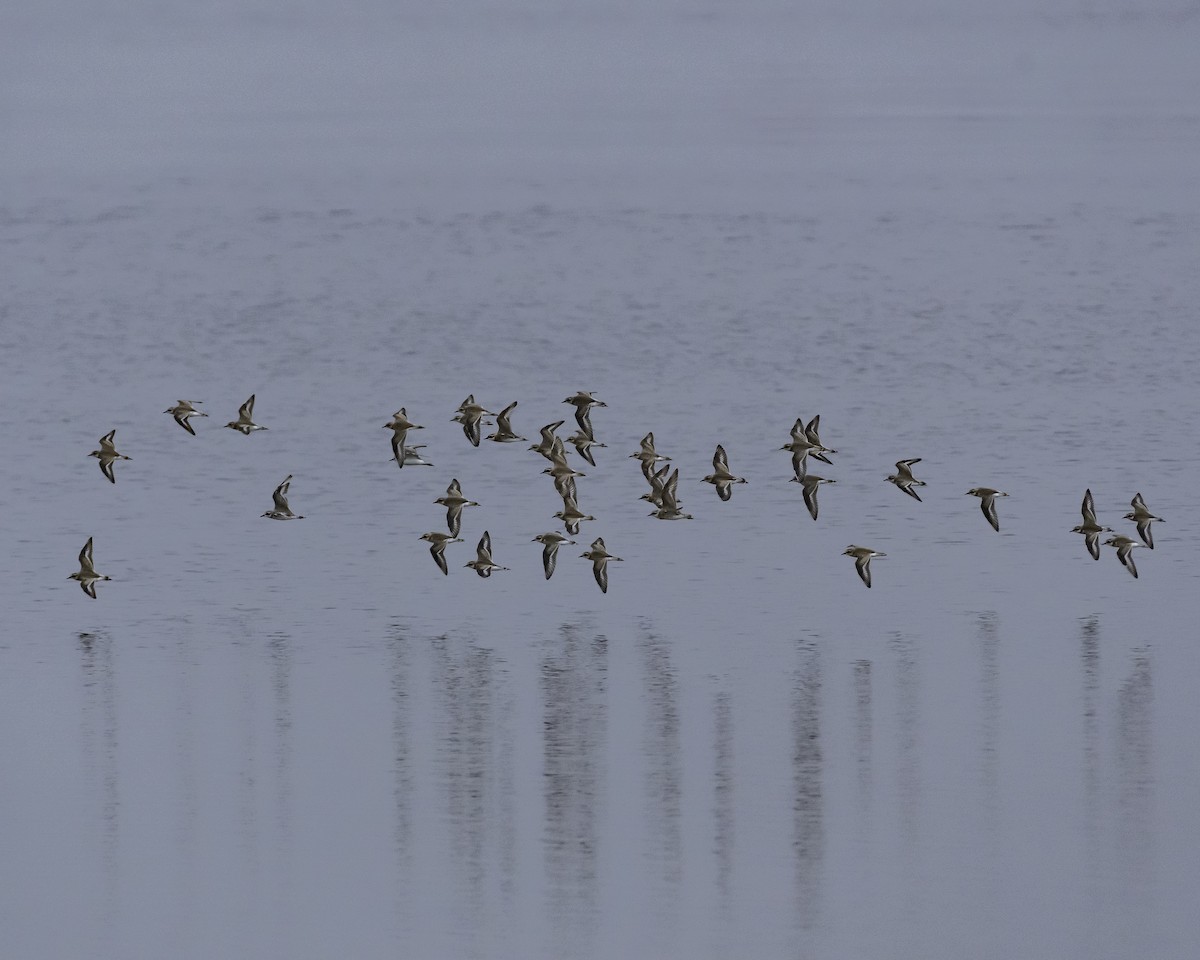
point(574, 682)
point(100, 743)
point(280, 654)
point(465, 684)
point(251, 869)
point(723, 798)
point(402, 775)
point(808, 814)
point(1135, 798)
point(863, 723)
point(989, 731)
point(663, 771)
point(908, 759)
point(185, 755)
point(1089, 664)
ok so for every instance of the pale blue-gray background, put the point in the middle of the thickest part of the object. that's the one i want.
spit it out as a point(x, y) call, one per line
point(957, 231)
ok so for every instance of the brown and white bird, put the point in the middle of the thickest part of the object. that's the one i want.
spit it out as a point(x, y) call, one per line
point(721, 478)
point(87, 575)
point(600, 557)
point(107, 455)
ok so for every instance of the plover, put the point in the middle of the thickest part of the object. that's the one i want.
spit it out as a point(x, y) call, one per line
point(107, 454)
point(412, 456)
point(600, 556)
point(1143, 518)
point(1090, 529)
point(454, 502)
point(437, 548)
point(470, 414)
point(87, 575)
point(245, 424)
point(721, 478)
point(571, 516)
point(483, 564)
point(583, 401)
point(862, 560)
point(1125, 546)
point(669, 504)
point(504, 431)
point(904, 479)
point(550, 544)
point(658, 480)
point(584, 444)
point(400, 425)
point(281, 510)
point(810, 483)
point(648, 455)
point(813, 435)
point(182, 411)
point(987, 503)
point(546, 445)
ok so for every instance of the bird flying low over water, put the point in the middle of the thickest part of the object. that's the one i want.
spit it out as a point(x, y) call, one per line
point(504, 431)
point(1142, 516)
point(437, 548)
point(987, 503)
point(1090, 529)
point(245, 424)
point(811, 484)
point(400, 425)
point(1125, 546)
point(599, 556)
point(107, 454)
point(183, 411)
point(87, 575)
point(281, 510)
point(550, 544)
point(721, 478)
point(454, 501)
point(583, 401)
point(862, 560)
point(483, 564)
point(903, 477)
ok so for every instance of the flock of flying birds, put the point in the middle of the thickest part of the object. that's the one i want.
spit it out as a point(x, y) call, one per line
point(663, 494)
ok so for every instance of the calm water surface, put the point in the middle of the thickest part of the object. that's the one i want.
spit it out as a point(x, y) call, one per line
point(955, 235)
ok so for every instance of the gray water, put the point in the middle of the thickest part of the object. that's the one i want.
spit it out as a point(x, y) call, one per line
point(957, 232)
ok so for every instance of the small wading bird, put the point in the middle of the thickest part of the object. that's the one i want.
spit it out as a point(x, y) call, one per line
point(862, 560)
point(904, 479)
point(470, 414)
point(571, 516)
point(437, 548)
point(545, 446)
point(721, 478)
point(599, 556)
point(281, 510)
point(183, 411)
point(1142, 517)
point(1124, 546)
point(1090, 529)
point(107, 454)
point(504, 431)
point(987, 503)
point(811, 483)
point(550, 543)
point(583, 401)
point(245, 424)
point(400, 425)
point(648, 456)
point(87, 575)
point(482, 564)
point(454, 501)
